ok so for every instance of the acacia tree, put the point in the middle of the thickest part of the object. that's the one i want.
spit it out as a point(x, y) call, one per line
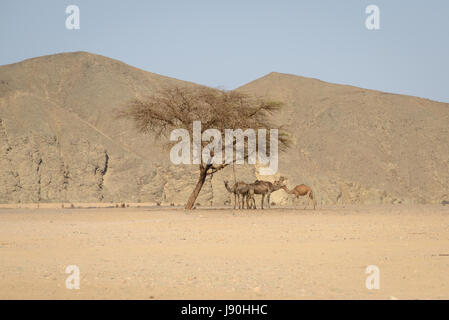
point(178, 107)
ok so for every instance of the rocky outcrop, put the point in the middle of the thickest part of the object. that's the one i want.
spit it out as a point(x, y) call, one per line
point(354, 145)
point(60, 140)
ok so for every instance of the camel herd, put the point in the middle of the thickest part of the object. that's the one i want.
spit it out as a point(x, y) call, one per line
point(244, 192)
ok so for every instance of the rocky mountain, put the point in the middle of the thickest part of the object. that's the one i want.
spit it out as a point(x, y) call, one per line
point(355, 145)
point(60, 140)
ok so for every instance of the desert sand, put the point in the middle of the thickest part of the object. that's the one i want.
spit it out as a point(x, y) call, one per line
point(168, 253)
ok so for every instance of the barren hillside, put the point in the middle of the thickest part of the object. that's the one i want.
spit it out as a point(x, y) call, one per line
point(361, 146)
point(59, 140)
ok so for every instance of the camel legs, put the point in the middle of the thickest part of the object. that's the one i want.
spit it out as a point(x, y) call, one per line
point(313, 200)
point(253, 203)
point(250, 202)
point(263, 198)
point(268, 199)
point(244, 198)
point(308, 200)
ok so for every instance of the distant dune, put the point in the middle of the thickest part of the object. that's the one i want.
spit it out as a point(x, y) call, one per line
point(60, 142)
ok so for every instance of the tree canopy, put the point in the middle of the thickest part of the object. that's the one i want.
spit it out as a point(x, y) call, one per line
point(178, 107)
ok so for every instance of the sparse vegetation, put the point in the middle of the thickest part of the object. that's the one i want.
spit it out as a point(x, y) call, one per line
point(177, 108)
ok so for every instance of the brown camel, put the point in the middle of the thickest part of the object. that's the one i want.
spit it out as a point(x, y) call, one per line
point(244, 191)
point(250, 201)
point(302, 190)
point(265, 188)
point(240, 190)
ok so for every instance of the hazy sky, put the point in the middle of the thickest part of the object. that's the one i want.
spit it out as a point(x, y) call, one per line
point(229, 43)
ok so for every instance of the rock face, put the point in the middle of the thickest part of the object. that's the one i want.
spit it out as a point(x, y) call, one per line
point(355, 145)
point(60, 141)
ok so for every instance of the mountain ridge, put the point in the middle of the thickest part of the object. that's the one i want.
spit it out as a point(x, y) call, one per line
point(352, 145)
point(324, 82)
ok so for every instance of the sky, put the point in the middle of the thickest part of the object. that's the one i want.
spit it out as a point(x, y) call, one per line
point(229, 43)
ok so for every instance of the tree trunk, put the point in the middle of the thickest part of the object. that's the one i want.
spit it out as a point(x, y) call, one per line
point(199, 185)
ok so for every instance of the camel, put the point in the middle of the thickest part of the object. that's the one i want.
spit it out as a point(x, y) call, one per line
point(265, 188)
point(250, 201)
point(240, 190)
point(245, 191)
point(302, 190)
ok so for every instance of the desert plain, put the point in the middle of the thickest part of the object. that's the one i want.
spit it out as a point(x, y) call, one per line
point(220, 253)
point(376, 161)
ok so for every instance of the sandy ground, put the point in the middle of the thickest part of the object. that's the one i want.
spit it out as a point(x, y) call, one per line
point(166, 253)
